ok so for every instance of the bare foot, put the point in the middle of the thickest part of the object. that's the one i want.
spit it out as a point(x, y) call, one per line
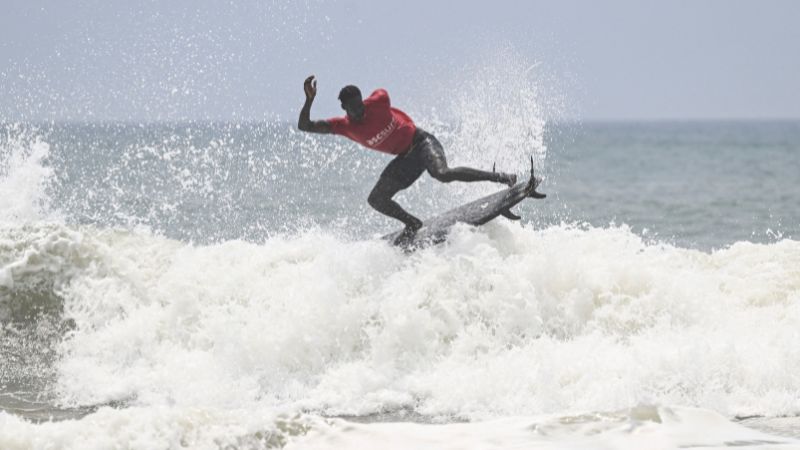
point(408, 233)
point(414, 226)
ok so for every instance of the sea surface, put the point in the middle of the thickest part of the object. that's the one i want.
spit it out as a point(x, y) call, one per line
point(224, 286)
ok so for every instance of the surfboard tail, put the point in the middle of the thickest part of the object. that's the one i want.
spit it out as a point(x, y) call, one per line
point(533, 183)
point(529, 190)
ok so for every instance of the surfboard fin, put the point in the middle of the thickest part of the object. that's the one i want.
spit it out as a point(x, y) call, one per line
point(533, 183)
point(509, 215)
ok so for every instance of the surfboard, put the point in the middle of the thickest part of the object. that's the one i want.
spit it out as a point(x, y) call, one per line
point(478, 212)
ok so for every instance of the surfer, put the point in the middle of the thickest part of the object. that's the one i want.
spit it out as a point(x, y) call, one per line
point(375, 124)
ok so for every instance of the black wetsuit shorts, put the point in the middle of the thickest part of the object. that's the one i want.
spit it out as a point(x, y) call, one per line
point(426, 153)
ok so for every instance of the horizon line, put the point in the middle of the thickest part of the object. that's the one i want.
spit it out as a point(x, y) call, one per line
point(287, 122)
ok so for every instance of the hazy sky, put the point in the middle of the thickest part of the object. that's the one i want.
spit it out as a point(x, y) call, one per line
point(190, 59)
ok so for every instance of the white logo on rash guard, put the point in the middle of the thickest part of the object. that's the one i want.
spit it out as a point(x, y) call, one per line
point(383, 134)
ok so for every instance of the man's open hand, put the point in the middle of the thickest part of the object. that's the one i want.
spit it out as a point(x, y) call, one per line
point(310, 86)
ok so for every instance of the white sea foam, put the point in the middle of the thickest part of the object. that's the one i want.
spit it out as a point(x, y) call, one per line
point(643, 427)
point(503, 320)
point(23, 176)
point(164, 427)
point(155, 427)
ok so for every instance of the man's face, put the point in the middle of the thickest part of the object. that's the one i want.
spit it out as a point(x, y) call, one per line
point(354, 108)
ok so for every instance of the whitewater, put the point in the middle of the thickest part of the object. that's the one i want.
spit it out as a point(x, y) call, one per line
point(208, 344)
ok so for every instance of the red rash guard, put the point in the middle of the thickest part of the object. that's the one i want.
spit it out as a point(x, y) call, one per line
point(382, 128)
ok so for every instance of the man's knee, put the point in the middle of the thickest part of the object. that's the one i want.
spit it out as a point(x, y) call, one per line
point(378, 197)
point(374, 199)
point(445, 176)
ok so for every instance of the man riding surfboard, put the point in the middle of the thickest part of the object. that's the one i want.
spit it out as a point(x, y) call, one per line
point(375, 124)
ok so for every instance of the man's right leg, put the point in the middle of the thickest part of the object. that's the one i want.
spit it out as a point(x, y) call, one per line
point(381, 199)
point(398, 175)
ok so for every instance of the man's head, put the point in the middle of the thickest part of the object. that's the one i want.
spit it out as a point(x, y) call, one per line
point(350, 96)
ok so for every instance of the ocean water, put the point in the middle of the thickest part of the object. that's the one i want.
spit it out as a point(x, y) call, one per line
point(223, 285)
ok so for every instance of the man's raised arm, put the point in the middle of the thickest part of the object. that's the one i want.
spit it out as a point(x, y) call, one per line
point(305, 123)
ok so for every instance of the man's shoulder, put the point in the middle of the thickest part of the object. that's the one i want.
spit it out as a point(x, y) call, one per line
point(378, 95)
